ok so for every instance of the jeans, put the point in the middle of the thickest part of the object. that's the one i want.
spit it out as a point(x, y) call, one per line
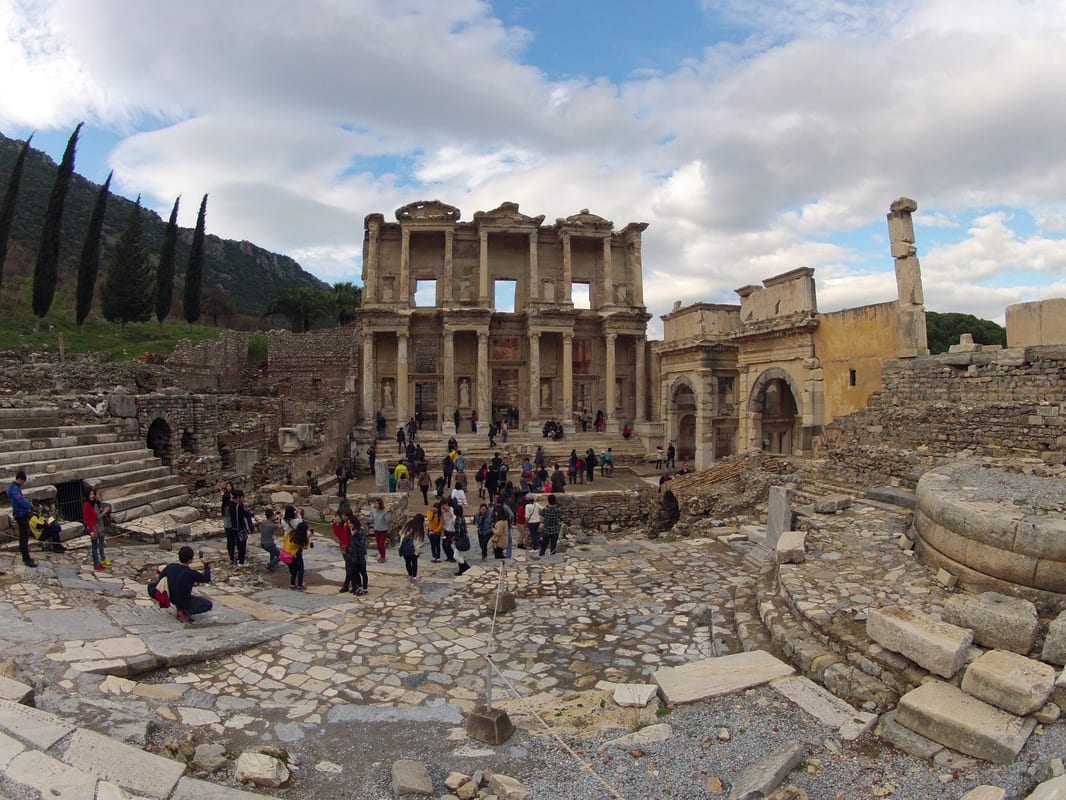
point(534, 535)
point(236, 546)
point(507, 550)
point(296, 569)
point(275, 557)
point(411, 564)
point(434, 545)
point(97, 544)
point(549, 541)
point(359, 572)
point(449, 551)
point(198, 605)
point(24, 539)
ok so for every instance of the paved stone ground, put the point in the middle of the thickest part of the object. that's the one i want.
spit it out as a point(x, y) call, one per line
point(271, 666)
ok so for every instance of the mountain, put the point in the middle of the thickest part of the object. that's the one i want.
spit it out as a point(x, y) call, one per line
point(229, 264)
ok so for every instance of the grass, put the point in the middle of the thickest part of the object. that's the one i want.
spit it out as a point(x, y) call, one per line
point(97, 334)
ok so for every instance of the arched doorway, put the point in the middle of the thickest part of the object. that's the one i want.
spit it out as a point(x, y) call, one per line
point(159, 440)
point(775, 403)
point(683, 408)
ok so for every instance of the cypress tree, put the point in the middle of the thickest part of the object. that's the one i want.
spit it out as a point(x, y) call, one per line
point(164, 278)
point(7, 211)
point(194, 274)
point(127, 294)
point(47, 266)
point(89, 264)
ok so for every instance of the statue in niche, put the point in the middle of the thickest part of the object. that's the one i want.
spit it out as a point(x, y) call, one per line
point(464, 393)
point(620, 293)
point(386, 393)
point(549, 291)
point(545, 394)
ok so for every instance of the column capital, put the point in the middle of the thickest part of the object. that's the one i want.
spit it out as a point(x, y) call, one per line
point(611, 337)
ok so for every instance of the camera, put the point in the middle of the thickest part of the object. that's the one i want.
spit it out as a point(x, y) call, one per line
point(201, 554)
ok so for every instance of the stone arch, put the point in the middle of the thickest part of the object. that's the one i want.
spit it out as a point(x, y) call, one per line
point(682, 408)
point(775, 404)
point(158, 440)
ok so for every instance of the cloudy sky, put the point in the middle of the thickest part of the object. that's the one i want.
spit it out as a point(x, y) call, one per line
point(755, 136)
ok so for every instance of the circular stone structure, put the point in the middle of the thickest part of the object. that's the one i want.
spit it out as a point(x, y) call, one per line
point(995, 529)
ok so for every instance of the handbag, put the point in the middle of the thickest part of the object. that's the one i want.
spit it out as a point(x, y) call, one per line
point(285, 556)
point(462, 542)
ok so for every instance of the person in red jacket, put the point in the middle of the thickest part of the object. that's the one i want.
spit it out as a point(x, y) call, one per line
point(91, 520)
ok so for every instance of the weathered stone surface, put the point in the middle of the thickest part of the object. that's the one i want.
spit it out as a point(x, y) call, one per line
point(792, 547)
point(51, 777)
point(507, 788)
point(16, 691)
point(1059, 693)
point(712, 677)
point(1055, 641)
point(997, 621)
point(766, 774)
point(910, 742)
point(832, 503)
point(824, 706)
point(779, 514)
point(893, 495)
point(193, 789)
point(948, 715)
point(501, 603)
point(410, 777)
point(634, 695)
point(261, 769)
point(936, 646)
point(129, 767)
point(39, 728)
point(985, 793)
point(209, 756)
point(649, 734)
point(1054, 789)
point(490, 725)
point(1009, 681)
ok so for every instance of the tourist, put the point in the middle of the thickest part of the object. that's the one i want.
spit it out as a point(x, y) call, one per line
point(590, 464)
point(401, 440)
point(473, 420)
point(671, 454)
point(357, 551)
point(90, 519)
point(481, 476)
point(458, 419)
point(45, 529)
point(434, 529)
point(296, 541)
point(267, 529)
point(228, 522)
point(500, 531)
point(343, 476)
point(460, 466)
point(379, 523)
point(607, 463)
point(601, 421)
point(372, 455)
point(379, 423)
point(290, 519)
point(438, 486)
point(180, 581)
point(483, 525)
point(414, 426)
point(343, 533)
point(539, 459)
point(342, 503)
point(571, 466)
point(664, 479)
point(312, 483)
point(550, 525)
point(533, 509)
point(399, 472)
point(411, 538)
point(447, 466)
point(424, 484)
point(527, 468)
point(492, 479)
point(558, 480)
point(658, 456)
point(447, 513)
point(684, 469)
point(583, 420)
point(505, 507)
point(492, 434)
point(243, 522)
point(459, 500)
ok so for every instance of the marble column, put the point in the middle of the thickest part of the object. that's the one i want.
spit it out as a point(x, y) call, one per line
point(447, 292)
point(483, 272)
point(484, 410)
point(639, 355)
point(448, 393)
point(403, 409)
point(607, 298)
point(370, 271)
point(369, 379)
point(568, 384)
point(534, 279)
point(636, 278)
point(568, 274)
point(610, 401)
point(533, 414)
point(403, 291)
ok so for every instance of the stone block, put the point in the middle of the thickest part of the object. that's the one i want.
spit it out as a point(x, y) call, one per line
point(50, 777)
point(985, 793)
point(122, 405)
point(39, 728)
point(1055, 641)
point(832, 503)
point(998, 621)
point(489, 725)
point(1009, 681)
point(193, 789)
point(130, 767)
point(945, 578)
point(766, 774)
point(825, 707)
point(893, 495)
point(905, 542)
point(910, 742)
point(936, 646)
point(779, 514)
point(16, 691)
point(946, 714)
point(1054, 789)
point(503, 603)
point(634, 695)
point(282, 499)
point(246, 459)
point(507, 788)
point(649, 734)
point(1059, 692)
point(712, 677)
point(261, 769)
point(792, 547)
point(289, 440)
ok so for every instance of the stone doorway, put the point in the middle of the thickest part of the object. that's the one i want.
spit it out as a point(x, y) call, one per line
point(505, 389)
point(775, 404)
point(159, 440)
point(426, 405)
point(686, 438)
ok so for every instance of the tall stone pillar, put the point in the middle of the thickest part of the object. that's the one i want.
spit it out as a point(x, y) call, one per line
point(447, 291)
point(534, 280)
point(483, 273)
point(568, 272)
point(607, 297)
point(610, 401)
point(484, 399)
point(533, 414)
point(639, 367)
point(370, 271)
point(369, 379)
point(448, 394)
point(404, 289)
point(403, 407)
point(911, 338)
point(568, 384)
point(636, 275)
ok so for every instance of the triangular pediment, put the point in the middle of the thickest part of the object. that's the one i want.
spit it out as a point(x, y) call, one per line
point(428, 211)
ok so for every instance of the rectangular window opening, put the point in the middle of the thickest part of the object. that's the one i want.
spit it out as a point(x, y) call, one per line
point(581, 295)
point(851, 377)
point(503, 293)
point(425, 293)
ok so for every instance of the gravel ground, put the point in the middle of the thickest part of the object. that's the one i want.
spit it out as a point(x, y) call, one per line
point(1001, 485)
point(758, 721)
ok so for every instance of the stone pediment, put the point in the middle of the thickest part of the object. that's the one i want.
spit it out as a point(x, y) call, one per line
point(507, 214)
point(585, 219)
point(428, 211)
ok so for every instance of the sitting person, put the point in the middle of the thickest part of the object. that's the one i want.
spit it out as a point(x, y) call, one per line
point(180, 580)
point(46, 529)
point(627, 431)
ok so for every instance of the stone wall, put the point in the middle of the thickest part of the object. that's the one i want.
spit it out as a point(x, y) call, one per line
point(993, 402)
point(606, 512)
point(42, 372)
point(213, 365)
point(316, 365)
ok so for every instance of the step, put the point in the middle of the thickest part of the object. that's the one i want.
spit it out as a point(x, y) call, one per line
point(132, 476)
point(59, 454)
point(156, 506)
point(125, 486)
point(44, 432)
point(946, 714)
point(29, 417)
point(57, 442)
point(149, 497)
point(92, 474)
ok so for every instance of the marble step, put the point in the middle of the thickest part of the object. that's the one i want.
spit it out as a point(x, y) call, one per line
point(25, 458)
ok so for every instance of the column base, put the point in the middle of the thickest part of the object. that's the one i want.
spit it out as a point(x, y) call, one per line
point(448, 428)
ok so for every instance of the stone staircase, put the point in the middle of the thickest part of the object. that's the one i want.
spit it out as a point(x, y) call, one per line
point(62, 459)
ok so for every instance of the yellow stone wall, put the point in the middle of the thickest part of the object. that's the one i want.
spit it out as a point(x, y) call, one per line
point(856, 339)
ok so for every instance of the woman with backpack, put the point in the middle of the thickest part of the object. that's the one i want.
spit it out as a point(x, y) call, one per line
point(411, 538)
point(296, 541)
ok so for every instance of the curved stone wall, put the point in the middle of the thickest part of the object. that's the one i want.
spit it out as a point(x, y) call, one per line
point(982, 525)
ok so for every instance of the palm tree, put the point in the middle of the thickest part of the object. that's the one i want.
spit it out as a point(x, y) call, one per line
point(301, 306)
point(345, 298)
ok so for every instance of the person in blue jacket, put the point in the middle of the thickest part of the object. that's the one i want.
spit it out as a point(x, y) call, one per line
point(21, 510)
